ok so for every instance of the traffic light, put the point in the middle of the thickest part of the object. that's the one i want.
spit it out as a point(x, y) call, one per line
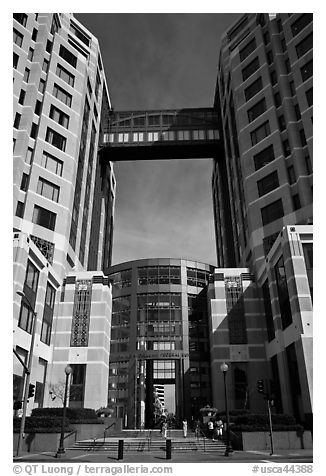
point(17, 405)
point(260, 386)
point(31, 390)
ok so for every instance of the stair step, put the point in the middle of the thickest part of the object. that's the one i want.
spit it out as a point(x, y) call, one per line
point(137, 445)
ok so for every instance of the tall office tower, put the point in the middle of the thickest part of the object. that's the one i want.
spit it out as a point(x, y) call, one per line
point(63, 193)
point(264, 93)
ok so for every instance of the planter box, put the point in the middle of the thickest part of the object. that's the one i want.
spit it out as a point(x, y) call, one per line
point(37, 442)
point(282, 440)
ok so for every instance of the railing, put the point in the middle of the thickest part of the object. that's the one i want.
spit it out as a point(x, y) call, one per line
point(200, 434)
point(106, 429)
point(71, 433)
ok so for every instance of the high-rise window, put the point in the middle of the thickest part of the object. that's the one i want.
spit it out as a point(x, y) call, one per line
point(59, 116)
point(48, 189)
point(257, 110)
point(301, 23)
point(32, 275)
point(272, 212)
point(44, 217)
point(248, 49)
point(287, 66)
point(26, 318)
point(38, 107)
point(270, 57)
point(291, 174)
point(283, 293)
point(48, 314)
point(15, 60)
point(65, 75)
point(41, 86)
point(264, 157)
point(250, 69)
point(80, 34)
point(268, 183)
point(62, 95)
point(20, 209)
point(49, 46)
point(281, 123)
point(97, 84)
point(18, 38)
point(296, 201)
point(29, 155)
point(24, 182)
point(286, 148)
point(308, 165)
point(297, 112)
point(26, 75)
point(253, 89)
point(52, 164)
point(45, 65)
point(273, 77)
point(260, 133)
point(307, 70)
point(303, 139)
point(21, 18)
point(304, 45)
point(34, 130)
point(68, 56)
point(267, 38)
point(309, 96)
point(56, 139)
point(277, 99)
point(34, 34)
point(30, 55)
point(17, 120)
point(22, 95)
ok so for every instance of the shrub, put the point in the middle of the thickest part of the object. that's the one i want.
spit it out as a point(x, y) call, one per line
point(73, 414)
point(41, 424)
point(246, 421)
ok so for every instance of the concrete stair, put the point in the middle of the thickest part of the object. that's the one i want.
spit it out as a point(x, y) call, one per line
point(155, 443)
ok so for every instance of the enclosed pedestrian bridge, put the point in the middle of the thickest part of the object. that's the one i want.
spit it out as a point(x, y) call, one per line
point(164, 134)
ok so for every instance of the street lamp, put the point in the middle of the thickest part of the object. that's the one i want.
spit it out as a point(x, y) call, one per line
point(27, 373)
point(228, 451)
point(61, 449)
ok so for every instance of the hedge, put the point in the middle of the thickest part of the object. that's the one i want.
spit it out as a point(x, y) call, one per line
point(241, 420)
point(73, 414)
point(41, 424)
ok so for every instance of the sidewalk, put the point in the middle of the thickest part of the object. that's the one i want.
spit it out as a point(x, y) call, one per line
point(160, 457)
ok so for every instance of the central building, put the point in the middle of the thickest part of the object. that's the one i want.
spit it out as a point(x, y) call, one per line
point(159, 338)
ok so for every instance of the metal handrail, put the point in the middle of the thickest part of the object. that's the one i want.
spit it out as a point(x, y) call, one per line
point(202, 434)
point(105, 430)
point(71, 433)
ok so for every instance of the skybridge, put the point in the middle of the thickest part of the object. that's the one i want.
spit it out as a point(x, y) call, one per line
point(163, 134)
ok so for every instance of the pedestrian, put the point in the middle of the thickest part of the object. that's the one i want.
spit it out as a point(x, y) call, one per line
point(219, 428)
point(184, 428)
point(165, 429)
point(210, 428)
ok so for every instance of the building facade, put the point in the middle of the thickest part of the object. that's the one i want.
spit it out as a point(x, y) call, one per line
point(152, 328)
point(287, 289)
point(264, 94)
point(159, 337)
point(63, 193)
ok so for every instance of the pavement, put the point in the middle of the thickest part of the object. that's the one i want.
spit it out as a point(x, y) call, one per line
point(279, 456)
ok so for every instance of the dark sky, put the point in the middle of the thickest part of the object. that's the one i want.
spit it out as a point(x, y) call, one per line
point(154, 61)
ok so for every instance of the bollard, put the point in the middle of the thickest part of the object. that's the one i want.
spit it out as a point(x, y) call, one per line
point(120, 449)
point(168, 449)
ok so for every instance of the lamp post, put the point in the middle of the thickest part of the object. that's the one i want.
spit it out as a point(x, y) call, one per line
point(61, 449)
point(27, 374)
point(228, 451)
